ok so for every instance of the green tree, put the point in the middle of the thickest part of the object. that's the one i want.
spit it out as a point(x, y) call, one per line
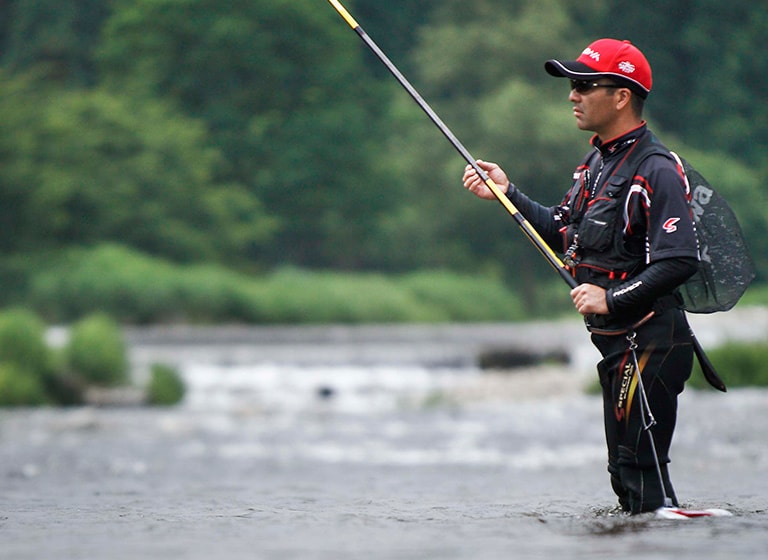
point(57, 38)
point(79, 168)
point(283, 90)
point(394, 26)
point(5, 23)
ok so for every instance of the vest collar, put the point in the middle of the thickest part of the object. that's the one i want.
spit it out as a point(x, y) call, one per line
point(618, 144)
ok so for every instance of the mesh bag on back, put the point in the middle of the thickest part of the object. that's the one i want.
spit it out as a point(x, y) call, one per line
point(726, 268)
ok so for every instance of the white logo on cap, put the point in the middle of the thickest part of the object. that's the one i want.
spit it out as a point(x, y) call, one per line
point(591, 54)
point(626, 67)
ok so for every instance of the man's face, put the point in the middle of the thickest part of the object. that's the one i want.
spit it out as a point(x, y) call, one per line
point(594, 104)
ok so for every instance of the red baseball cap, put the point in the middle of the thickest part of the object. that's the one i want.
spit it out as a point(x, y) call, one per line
point(611, 58)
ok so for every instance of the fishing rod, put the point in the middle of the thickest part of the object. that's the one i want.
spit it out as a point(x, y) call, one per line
point(524, 225)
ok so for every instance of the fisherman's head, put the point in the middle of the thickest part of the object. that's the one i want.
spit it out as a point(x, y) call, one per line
point(607, 63)
point(620, 61)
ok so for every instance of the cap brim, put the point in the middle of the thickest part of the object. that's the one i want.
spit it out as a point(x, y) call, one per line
point(571, 69)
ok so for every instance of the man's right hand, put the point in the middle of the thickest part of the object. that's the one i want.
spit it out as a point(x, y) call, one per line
point(474, 184)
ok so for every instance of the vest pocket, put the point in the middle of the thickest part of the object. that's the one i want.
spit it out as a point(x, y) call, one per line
point(599, 224)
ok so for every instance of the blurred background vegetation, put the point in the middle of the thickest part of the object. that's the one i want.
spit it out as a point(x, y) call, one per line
point(249, 160)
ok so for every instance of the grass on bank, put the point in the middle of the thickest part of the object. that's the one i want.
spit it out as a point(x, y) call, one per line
point(137, 289)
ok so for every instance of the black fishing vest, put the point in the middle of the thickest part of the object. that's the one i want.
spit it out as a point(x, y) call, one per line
point(598, 252)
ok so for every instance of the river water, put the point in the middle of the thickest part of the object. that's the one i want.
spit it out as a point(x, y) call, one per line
point(368, 443)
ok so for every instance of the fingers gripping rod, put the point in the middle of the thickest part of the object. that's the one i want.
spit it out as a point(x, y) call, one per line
point(524, 225)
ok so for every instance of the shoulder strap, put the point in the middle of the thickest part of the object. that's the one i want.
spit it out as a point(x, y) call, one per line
point(647, 146)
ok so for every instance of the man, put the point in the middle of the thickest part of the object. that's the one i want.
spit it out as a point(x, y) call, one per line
point(627, 234)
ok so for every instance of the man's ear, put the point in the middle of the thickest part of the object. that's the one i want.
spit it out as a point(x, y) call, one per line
point(623, 98)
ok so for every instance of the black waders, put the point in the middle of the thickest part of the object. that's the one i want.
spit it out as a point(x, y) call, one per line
point(639, 423)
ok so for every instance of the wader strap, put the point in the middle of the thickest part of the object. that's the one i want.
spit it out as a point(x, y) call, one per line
point(661, 305)
point(620, 330)
point(646, 415)
point(710, 374)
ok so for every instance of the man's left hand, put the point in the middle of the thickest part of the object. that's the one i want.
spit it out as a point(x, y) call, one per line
point(589, 299)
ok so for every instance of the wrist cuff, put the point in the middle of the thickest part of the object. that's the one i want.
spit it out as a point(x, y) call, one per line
point(609, 300)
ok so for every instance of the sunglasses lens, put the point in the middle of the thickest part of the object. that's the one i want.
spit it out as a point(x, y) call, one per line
point(580, 86)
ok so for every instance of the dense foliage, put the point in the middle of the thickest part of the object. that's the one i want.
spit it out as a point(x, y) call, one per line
point(138, 289)
point(260, 134)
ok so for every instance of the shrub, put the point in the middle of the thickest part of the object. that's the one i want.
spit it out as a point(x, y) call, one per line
point(25, 355)
point(22, 342)
point(739, 364)
point(96, 351)
point(165, 387)
point(19, 387)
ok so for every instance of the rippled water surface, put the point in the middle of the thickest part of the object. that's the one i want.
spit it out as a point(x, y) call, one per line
point(273, 460)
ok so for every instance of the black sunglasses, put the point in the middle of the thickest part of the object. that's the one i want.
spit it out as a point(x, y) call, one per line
point(583, 86)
